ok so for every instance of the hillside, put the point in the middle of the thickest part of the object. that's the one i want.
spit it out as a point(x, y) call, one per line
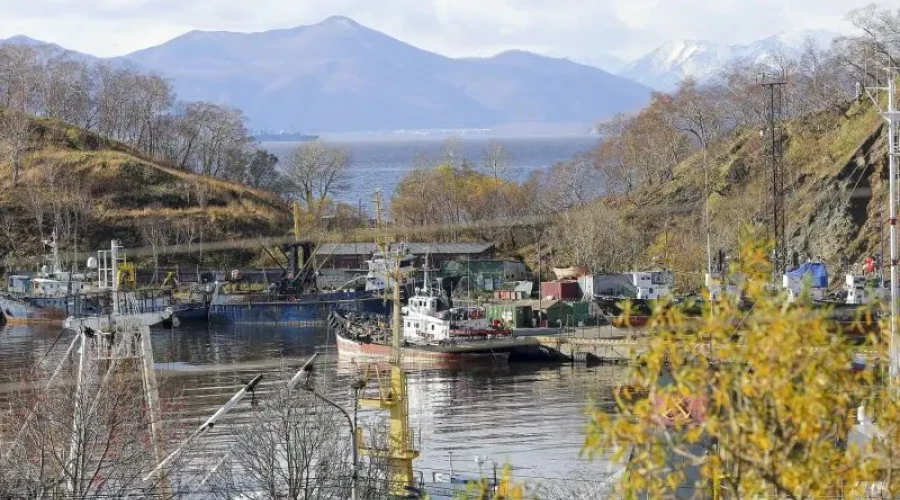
point(836, 173)
point(338, 75)
point(92, 190)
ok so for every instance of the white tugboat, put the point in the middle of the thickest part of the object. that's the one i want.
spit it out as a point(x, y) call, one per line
point(429, 333)
point(381, 265)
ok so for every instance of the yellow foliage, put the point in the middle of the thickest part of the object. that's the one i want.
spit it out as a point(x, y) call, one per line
point(751, 401)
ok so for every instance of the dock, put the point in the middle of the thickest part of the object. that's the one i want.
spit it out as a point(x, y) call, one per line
point(607, 344)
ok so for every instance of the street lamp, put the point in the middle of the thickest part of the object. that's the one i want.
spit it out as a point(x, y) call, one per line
point(357, 386)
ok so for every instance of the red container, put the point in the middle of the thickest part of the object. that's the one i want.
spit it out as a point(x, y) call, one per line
point(560, 290)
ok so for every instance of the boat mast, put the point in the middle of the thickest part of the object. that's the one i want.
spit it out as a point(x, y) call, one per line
point(892, 116)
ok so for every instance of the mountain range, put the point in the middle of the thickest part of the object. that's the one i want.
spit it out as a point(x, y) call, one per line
point(338, 75)
point(664, 67)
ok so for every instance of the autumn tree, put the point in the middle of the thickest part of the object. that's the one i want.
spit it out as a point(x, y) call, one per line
point(596, 236)
point(452, 152)
point(317, 172)
point(495, 160)
point(15, 136)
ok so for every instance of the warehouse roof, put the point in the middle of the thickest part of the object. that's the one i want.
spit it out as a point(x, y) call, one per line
point(414, 248)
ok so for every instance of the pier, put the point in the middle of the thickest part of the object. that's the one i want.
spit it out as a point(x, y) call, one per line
point(607, 344)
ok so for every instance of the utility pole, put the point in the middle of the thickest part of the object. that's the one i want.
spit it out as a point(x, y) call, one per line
point(389, 387)
point(892, 117)
point(774, 87)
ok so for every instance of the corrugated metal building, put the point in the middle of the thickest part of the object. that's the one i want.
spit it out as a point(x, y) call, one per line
point(510, 314)
point(355, 255)
point(484, 274)
point(518, 290)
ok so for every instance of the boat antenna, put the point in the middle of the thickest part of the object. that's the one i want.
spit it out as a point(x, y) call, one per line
point(427, 286)
point(892, 116)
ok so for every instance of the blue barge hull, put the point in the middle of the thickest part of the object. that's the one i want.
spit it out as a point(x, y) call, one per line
point(301, 312)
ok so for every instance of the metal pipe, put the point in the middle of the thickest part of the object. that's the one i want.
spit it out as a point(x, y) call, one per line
point(892, 172)
point(209, 424)
point(352, 423)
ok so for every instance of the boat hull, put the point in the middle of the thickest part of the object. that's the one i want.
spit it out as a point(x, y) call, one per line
point(302, 312)
point(191, 312)
point(356, 350)
point(32, 311)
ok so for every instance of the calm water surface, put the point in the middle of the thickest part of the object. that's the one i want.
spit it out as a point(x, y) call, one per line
point(382, 163)
point(529, 416)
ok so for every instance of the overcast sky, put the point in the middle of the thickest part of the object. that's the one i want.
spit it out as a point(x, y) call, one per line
point(583, 30)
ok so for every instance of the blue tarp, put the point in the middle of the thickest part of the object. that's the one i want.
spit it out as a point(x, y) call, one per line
point(813, 271)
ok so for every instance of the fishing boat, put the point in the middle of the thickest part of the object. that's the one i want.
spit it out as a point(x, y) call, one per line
point(52, 295)
point(381, 264)
point(430, 333)
point(49, 296)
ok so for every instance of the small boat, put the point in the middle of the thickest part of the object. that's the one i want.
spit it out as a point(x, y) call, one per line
point(381, 265)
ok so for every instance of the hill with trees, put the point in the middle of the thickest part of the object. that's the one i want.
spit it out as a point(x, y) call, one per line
point(95, 151)
point(90, 189)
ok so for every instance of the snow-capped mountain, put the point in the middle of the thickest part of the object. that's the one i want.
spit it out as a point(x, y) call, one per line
point(667, 65)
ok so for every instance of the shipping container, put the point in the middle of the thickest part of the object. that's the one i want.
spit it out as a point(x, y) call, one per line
point(560, 290)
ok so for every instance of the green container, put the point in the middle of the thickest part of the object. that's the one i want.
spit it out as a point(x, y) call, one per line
point(559, 313)
point(581, 313)
point(508, 314)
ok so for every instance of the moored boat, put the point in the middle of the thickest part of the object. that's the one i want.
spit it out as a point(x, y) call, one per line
point(429, 334)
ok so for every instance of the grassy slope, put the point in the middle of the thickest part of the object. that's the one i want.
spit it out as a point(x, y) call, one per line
point(836, 172)
point(126, 190)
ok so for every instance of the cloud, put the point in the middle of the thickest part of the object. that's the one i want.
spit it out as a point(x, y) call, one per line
point(579, 29)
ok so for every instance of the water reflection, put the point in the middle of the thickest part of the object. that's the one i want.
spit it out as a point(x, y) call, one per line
point(526, 415)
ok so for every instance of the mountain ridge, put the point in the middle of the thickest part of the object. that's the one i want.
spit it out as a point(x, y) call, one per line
point(668, 64)
point(339, 75)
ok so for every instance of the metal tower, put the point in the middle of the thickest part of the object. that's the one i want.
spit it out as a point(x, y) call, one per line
point(889, 112)
point(774, 87)
point(106, 346)
point(386, 388)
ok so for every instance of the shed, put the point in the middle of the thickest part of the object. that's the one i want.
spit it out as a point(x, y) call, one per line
point(539, 308)
point(516, 315)
point(560, 314)
point(518, 290)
